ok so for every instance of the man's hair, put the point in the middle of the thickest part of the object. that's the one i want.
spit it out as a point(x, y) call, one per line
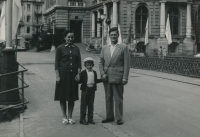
point(66, 32)
point(114, 29)
point(89, 61)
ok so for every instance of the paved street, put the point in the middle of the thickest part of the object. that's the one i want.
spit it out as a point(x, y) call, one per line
point(155, 104)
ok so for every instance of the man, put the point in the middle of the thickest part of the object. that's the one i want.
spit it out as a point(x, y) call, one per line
point(114, 68)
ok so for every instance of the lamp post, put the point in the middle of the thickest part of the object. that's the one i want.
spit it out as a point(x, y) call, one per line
point(100, 20)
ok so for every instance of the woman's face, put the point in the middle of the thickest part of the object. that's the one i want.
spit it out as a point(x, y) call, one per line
point(69, 38)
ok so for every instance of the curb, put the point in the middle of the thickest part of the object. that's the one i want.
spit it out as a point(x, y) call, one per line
point(21, 125)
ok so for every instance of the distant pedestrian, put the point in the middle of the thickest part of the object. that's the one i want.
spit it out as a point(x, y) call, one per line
point(160, 52)
point(88, 80)
point(67, 67)
point(164, 53)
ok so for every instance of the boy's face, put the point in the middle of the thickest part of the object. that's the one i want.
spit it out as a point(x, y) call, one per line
point(89, 66)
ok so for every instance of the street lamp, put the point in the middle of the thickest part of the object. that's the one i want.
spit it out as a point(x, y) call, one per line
point(100, 20)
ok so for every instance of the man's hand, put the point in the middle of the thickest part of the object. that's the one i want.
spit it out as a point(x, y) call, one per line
point(124, 81)
point(104, 77)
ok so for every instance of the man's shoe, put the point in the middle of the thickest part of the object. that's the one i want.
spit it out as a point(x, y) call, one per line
point(108, 120)
point(91, 121)
point(120, 122)
point(84, 122)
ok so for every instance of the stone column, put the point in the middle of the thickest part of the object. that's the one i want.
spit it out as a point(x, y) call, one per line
point(189, 47)
point(189, 21)
point(98, 24)
point(105, 11)
point(162, 19)
point(93, 24)
point(115, 13)
point(162, 41)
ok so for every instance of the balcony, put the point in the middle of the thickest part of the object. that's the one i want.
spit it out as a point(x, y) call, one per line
point(76, 4)
point(38, 12)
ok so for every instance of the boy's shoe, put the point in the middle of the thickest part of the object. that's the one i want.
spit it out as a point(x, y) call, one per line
point(84, 122)
point(91, 121)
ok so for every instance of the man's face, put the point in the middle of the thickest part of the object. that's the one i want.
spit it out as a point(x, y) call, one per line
point(114, 36)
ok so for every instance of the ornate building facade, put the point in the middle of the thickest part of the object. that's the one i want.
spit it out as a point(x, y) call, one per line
point(82, 15)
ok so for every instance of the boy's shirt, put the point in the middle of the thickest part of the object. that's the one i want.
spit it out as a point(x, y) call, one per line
point(90, 75)
point(85, 79)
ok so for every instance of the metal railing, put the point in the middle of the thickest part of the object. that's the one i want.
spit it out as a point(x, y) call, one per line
point(23, 85)
point(187, 66)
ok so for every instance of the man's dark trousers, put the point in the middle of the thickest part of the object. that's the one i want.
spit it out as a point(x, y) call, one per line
point(87, 101)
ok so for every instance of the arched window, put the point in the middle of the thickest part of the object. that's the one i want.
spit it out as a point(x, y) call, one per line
point(141, 20)
point(174, 20)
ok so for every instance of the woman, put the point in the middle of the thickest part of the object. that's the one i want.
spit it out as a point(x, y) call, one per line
point(67, 67)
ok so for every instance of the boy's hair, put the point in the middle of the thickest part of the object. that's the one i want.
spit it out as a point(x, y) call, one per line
point(89, 61)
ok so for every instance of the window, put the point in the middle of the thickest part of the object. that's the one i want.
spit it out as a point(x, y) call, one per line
point(141, 20)
point(19, 30)
point(28, 7)
point(75, 0)
point(18, 42)
point(38, 7)
point(28, 30)
point(37, 20)
point(28, 18)
point(174, 20)
point(172, 47)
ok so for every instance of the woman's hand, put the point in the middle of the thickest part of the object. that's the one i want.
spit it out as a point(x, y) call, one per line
point(57, 79)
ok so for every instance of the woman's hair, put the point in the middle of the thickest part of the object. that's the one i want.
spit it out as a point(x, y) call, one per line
point(114, 29)
point(66, 32)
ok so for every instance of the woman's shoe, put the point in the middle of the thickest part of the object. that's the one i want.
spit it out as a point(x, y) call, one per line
point(71, 121)
point(65, 121)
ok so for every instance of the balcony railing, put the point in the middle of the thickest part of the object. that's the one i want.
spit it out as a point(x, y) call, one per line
point(76, 4)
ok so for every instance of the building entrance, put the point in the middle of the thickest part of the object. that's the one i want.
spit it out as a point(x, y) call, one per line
point(76, 26)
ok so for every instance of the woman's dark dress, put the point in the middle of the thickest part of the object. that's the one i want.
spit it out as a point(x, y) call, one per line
point(67, 62)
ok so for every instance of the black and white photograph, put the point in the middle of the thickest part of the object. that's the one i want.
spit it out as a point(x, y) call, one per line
point(99, 68)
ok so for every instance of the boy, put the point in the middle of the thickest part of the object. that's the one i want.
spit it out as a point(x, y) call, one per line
point(88, 80)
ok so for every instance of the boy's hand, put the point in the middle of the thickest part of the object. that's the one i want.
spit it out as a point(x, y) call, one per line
point(77, 78)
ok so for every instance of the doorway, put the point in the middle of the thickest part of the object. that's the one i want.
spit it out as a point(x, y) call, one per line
point(76, 26)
